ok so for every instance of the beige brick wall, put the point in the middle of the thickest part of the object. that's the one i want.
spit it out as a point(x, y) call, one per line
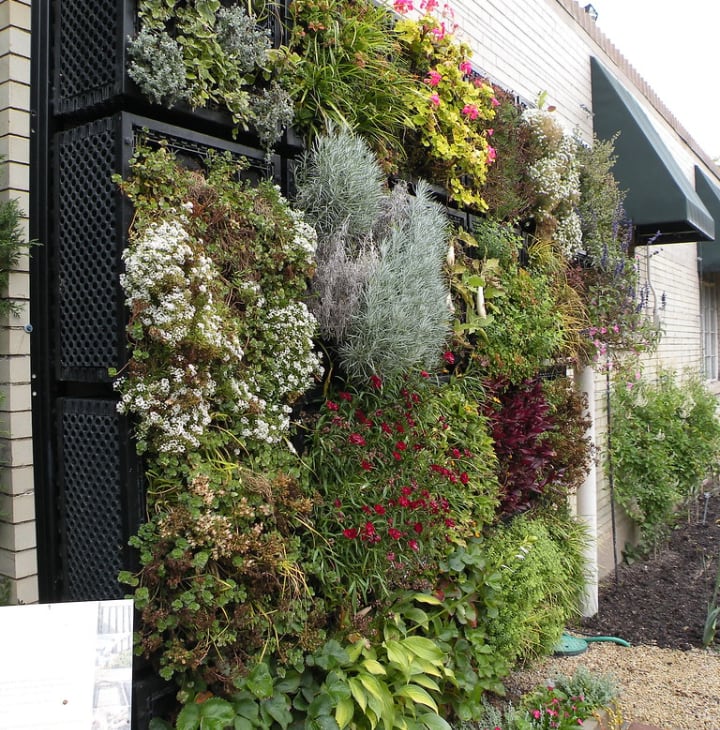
point(18, 556)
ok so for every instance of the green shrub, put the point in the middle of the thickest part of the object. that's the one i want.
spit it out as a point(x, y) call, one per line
point(664, 440)
point(12, 245)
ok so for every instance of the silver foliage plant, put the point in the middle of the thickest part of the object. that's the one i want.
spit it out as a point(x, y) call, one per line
point(340, 184)
point(158, 68)
point(380, 295)
point(403, 318)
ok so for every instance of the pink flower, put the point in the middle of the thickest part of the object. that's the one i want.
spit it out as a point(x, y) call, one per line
point(465, 67)
point(470, 110)
point(433, 78)
point(403, 6)
point(429, 5)
point(491, 154)
point(536, 714)
point(440, 32)
point(435, 100)
point(490, 131)
point(494, 102)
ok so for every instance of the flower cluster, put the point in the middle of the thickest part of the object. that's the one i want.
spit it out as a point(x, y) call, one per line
point(399, 482)
point(450, 110)
point(549, 708)
point(198, 283)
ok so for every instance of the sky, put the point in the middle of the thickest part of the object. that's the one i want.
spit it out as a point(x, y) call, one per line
point(675, 46)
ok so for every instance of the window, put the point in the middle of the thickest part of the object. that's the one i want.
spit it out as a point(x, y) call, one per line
point(709, 302)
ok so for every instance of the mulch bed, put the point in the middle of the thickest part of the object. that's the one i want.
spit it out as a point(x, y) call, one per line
point(663, 600)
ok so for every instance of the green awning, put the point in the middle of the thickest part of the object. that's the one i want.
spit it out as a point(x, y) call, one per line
point(709, 192)
point(659, 197)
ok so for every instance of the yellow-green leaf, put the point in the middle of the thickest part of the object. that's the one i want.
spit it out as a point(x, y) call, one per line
point(418, 695)
point(344, 712)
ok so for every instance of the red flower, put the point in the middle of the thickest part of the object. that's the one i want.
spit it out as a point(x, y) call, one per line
point(365, 509)
point(394, 533)
point(418, 527)
point(449, 522)
point(406, 491)
point(344, 396)
point(379, 509)
point(456, 453)
point(404, 501)
point(350, 533)
point(337, 503)
point(356, 439)
point(366, 465)
point(464, 478)
point(400, 445)
point(375, 382)
point(449, 357)
point(413, 544)
point(386, 429)
point(424, 374)
point(332, 406)
point(397, 456)
point(363, 418)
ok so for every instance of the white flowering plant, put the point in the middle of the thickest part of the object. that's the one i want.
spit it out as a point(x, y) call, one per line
point(555, 177)
point(221, 347)
point(213, 279)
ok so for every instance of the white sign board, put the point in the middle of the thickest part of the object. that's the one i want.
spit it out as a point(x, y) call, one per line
point(66, 666)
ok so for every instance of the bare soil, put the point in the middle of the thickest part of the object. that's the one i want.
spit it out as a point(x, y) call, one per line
point(663, 600)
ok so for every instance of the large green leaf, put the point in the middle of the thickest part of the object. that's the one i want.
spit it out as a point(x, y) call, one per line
point(418, 695)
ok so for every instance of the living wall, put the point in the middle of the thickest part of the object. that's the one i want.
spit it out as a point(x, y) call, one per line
point(358, 436)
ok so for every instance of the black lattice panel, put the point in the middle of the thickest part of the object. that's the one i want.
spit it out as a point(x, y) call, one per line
point(92, 486)
point(89, 40)
point(87, 233)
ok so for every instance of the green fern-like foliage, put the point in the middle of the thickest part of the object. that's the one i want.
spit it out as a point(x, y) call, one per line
point(403, 319)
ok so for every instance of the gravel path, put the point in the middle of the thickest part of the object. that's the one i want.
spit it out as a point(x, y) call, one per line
point(675, 690)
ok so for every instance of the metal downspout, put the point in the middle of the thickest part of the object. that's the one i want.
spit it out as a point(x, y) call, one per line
point(587, 501)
